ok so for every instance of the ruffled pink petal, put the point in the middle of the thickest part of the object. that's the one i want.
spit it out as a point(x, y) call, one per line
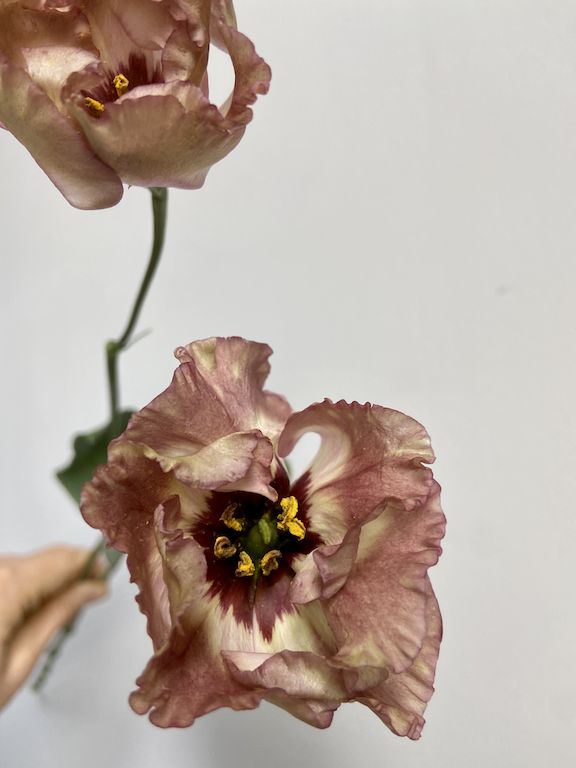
point(148, 23)
point(109, 34)
point(55, 143)
point(325, 570)
point(185, 55)
point(252, 74)
point(187, 678)
point(194, 428)
point(25, 28)
point(121, 500)
point(368, 454)
point(401, 699)
point(317, 713)
point(379, 617)
point(216, 391)
point(238, 369)
point(303, 683)
point(180, 684)
point(237, 462)
point(223, 10)
point(151, 139)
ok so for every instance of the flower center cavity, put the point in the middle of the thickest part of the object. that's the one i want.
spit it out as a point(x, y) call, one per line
point(253, 547)
point(256, 545)
point(131, 74)
point(120, 84)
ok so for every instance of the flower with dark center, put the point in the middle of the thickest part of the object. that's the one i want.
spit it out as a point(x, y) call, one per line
point(306, 594)
point(110, 92)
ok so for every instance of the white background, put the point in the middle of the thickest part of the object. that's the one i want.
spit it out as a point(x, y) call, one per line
point(399, 223)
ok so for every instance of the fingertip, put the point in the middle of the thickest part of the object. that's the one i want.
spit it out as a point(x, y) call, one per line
point(73, 557)
point(88, 591)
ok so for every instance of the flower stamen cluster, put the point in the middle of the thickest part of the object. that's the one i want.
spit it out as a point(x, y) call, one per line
point(97, 107)
point(259, 546)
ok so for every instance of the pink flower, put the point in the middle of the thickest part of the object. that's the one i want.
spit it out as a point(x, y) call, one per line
point(307, 594)
point(106, 92)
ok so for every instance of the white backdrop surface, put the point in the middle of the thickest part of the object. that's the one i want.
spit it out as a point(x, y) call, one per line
point(399, 224)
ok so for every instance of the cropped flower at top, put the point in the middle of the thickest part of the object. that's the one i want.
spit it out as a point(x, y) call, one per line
point(106, 92)
point(306, 594)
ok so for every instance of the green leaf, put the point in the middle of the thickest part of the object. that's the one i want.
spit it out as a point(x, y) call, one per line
point(90, 451)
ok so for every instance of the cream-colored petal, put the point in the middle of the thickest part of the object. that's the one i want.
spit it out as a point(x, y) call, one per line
point(240, 461)
point(304, 684)
point(23, 28)
point(51, 66)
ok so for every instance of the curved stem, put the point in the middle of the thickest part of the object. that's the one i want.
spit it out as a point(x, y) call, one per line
point(113, 348)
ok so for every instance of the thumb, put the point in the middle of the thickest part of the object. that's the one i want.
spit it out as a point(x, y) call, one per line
point(35, 634)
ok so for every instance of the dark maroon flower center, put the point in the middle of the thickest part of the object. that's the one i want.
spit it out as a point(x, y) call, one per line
point(137, 71)
point(250, 544)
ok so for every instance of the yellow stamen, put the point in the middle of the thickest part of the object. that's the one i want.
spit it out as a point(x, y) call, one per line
point(297, 528)
point(97, 106)
point(229, 519)
point(121, 84)
point(289, 507)
point(270, 562)
point(223, 547)
point(287, 520)
point(245, 565)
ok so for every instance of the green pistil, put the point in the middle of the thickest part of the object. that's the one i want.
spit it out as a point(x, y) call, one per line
point(261, 538)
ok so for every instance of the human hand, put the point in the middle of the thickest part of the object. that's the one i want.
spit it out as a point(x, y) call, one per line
point(40, 594)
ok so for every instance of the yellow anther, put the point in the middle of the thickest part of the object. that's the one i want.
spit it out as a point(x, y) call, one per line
point(121, 84)
point(223, 547)
point(289, 507)
point(270, 562)
point(296, 528)
point(229, 518)
point(97, 106)
point(287, 520)
point(245, 565)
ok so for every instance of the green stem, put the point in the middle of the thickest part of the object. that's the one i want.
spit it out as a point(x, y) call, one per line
point(113, 349)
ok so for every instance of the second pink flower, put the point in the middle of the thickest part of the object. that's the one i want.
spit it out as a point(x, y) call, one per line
point(306, 594)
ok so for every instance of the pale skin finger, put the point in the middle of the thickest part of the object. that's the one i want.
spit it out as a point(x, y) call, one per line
point(35, 635)
point(41, 594)
point(27, 581)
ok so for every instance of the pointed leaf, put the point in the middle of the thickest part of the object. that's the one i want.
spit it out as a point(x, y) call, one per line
point(90, 451)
